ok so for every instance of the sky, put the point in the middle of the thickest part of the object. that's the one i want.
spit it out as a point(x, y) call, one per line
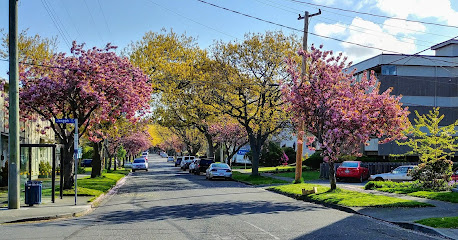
point(98, 22)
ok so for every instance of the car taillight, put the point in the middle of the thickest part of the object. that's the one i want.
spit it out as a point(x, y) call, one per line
point(198, 165)
point(214, 170)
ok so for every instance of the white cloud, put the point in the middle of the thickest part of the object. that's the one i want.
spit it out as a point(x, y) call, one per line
point(373, 35)
point(394, 26)
point(330, 29)
point(440, 9)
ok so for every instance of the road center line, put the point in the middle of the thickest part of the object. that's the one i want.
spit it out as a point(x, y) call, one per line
point(275, 237)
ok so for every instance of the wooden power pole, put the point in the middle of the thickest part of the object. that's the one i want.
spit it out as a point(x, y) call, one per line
point(300, 138)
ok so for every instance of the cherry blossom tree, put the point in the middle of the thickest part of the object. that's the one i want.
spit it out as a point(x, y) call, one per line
point(136, 142)
point(342, 112)
point(94, 86)
point(230, 133)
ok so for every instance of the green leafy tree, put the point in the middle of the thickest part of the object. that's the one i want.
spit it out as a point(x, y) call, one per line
point(433, 145)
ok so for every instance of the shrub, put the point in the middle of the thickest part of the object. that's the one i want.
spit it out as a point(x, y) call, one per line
point(314, 161)
point(270, 155)
point(433, 175)
point(44, 168)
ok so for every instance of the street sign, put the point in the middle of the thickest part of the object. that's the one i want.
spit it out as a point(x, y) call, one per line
point(65, 120)
point(80, 152)
point(243, 151)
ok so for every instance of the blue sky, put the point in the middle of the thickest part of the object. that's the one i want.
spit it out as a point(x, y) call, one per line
point(97, 22)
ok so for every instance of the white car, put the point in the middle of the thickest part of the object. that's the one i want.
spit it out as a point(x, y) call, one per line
point(139, 164)
point(218, 170)
point(397, 175)
point(170, 159)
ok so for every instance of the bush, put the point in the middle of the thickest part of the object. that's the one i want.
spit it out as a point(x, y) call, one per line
point(433, 175)
point(44, 168)
point(291, 153)
point(314, 161)
point(270, 155)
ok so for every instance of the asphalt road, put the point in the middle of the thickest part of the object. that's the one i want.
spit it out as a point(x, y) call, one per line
point(166, 203)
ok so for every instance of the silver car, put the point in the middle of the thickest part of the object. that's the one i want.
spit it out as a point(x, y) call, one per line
point(139, 164)
point(218, 170)
point(397, 175)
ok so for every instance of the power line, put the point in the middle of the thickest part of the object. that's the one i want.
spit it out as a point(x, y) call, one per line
point(104, 18)
point(374, 15)
point(352, 17)
point(299, 30)
point(93, 21)
point(55, 20)
point(192, 20)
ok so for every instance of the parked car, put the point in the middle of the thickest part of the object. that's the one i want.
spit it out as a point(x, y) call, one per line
point(128, 165)
point(204, 163)
point(139, 164)
point(455, 176)
point(185, 164)
point(163, 154)
point(170, 159)
point(194, 165)
point(218, 170)
point(352, 170)
point(398, 174)
point(178, 161)
point(86, 163)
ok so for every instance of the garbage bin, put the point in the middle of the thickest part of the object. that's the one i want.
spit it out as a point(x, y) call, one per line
point(33, 192)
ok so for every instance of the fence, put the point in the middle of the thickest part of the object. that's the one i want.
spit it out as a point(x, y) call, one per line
point(374, 167)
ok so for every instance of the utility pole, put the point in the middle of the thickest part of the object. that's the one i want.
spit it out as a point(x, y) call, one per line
point(13, 138)
point(300, 129)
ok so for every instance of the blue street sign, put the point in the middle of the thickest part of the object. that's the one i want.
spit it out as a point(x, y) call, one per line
point(65, 120)
point(243, 151)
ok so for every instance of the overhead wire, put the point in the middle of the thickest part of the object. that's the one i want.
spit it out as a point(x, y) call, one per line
point(375, 15)
point(56, 23)
point(384, 23)
point(300, 30)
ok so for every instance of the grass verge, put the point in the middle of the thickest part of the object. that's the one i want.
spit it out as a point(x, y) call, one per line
point(271, 169)
point(306, 175)
point(255, 180)
point(94, 186)
point(345, 197)
point(442, 222)
point(410, 188)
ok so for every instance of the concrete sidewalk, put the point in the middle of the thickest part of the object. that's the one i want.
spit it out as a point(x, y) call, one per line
point(62, 208)
point(404, 217)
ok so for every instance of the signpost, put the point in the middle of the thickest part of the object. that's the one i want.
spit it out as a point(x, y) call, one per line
point(75, 140)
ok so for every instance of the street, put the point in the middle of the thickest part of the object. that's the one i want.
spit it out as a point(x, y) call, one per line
point(167, 203)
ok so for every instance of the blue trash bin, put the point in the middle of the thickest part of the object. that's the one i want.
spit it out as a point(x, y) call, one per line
point(33, 192)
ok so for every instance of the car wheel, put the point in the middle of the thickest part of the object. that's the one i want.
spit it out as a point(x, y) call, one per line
point(378, 179)
point(146, 170)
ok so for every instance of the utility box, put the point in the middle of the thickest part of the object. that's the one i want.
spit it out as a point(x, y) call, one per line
point(33, 192)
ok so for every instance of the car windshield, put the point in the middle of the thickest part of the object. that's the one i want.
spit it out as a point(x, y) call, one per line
point(220, 165)
point(139, 160)
point(349, 164)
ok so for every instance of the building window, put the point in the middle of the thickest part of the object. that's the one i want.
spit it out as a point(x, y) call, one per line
point(389, 70)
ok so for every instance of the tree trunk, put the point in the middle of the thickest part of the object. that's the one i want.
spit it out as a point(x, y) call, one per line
point(96, 160)
point(255, 152)
point(69, 166)
point(332, 175)
point(115, 162)
point(211, 148)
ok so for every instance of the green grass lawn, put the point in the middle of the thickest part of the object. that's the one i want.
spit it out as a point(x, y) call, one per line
point(306, 175)
point(255, 180)
point(346, 198)
point(93, 186)
point(443, 222)
point(411, 189)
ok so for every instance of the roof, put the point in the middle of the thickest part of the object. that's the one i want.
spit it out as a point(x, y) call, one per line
point(443, 44)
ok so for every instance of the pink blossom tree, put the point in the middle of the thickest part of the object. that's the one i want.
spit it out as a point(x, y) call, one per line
point(94, 86)
point(229, 133)
point(343, 113)
point(136, 142)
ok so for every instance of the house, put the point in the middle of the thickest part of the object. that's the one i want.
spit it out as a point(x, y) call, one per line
point(424, 81)
point(29, 134)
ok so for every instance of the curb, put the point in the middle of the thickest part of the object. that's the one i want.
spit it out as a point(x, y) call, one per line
point(405, 225)
point(93, 205)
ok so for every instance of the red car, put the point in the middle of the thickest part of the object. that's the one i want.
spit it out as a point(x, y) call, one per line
point(353, 170)
point(455, 176)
